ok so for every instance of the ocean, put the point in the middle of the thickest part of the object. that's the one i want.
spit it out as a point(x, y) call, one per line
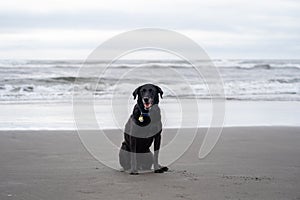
point(54, 80)
point(38, 94)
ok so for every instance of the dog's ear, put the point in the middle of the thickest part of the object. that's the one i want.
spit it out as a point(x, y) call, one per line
point(159, 90)
point(136, 92)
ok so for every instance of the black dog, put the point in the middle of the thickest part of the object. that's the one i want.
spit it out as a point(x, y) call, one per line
point(143, 127)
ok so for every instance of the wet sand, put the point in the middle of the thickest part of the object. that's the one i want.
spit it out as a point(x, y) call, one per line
point(246, 163)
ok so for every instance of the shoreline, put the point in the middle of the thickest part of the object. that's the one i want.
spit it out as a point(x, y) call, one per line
point(237, 113)
point(167, 128)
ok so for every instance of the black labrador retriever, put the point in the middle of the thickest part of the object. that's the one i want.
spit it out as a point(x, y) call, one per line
point(142, 129)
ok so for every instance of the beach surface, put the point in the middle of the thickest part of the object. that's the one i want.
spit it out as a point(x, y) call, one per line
point(246, 163)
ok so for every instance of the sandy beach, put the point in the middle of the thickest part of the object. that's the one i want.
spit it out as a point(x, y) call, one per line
point(225, 75)
point(247, 163)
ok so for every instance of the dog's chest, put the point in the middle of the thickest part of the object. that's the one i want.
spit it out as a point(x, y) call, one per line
point(146, 131)
point(144, 125)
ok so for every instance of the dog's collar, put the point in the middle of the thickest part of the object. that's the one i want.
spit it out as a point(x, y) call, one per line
point(144, 114)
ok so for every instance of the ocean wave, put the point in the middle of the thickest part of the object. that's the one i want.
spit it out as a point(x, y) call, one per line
point(282, 80)
point(261, 67)
point(69, 78)
point(52, 80)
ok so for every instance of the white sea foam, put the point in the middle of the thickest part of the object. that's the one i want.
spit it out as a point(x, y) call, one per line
point(50, 81)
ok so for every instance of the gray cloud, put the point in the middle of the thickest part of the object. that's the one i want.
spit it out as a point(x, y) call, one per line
point(250, 30)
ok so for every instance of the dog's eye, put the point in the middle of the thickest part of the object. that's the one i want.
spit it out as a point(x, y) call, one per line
point(150, 90)
point(144, 90)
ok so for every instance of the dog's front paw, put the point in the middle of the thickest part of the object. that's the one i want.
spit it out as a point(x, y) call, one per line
point(165, 169)
point(159, 171)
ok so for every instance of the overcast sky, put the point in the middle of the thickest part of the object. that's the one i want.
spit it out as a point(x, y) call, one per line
point(36, 29)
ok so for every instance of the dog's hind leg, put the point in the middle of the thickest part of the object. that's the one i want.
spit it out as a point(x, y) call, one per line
point(124, 158)
point(145, 161)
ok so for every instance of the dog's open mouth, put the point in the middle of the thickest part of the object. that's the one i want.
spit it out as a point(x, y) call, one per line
point(147, 105)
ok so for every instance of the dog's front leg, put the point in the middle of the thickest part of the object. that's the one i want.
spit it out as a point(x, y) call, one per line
point(157, 140)
point(133, 170)
point(157, 167)
point(155, 161)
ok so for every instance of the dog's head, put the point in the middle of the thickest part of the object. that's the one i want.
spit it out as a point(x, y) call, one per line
point(147, 95)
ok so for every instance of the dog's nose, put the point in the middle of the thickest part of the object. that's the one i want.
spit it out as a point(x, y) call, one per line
point(146, 99)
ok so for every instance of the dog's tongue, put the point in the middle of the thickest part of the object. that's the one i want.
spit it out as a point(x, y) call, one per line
point(147, 105)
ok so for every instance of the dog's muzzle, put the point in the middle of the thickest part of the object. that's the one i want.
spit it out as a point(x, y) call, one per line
point(148, 102)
